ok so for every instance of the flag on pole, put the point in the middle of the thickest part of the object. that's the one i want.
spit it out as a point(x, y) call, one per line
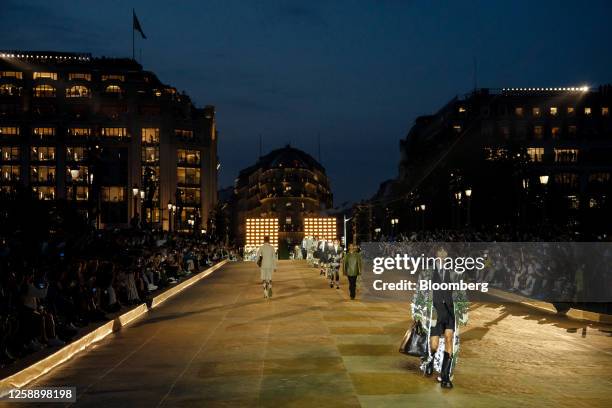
point(136, 25)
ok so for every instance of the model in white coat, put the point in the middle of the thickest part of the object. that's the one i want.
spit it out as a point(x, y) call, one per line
point(268, 265)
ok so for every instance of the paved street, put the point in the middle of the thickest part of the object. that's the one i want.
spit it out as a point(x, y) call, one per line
point(221, 344)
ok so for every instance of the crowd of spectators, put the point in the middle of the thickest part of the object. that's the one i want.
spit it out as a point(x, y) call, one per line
point(554, 265)
point(49, 292)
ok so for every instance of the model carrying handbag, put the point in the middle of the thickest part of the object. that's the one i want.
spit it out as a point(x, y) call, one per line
point(415, 341)
point(259, 260)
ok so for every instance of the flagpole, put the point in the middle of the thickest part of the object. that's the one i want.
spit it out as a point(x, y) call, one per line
point(133, 12)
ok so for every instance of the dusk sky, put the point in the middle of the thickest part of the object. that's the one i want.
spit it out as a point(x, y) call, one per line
point(355, 72)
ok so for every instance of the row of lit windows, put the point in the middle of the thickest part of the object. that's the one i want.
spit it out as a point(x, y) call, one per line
point(53, 76)
point(77, 91)
point(554, 111)
point(114, 194)
point(149, 136)
point(536, 154)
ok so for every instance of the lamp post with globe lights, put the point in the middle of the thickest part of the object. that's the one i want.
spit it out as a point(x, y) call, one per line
point(544, 182)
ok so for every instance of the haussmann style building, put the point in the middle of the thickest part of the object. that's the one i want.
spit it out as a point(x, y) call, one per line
point(108, 135)
point(517, 156)
point(286, 184)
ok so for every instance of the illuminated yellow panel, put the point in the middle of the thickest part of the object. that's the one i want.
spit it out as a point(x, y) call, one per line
point(257, 229)
point(322, 228)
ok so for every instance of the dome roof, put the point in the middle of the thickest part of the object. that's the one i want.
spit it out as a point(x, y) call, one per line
point(288, 157)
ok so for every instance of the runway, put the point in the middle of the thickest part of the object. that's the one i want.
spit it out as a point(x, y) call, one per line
point(220, 343)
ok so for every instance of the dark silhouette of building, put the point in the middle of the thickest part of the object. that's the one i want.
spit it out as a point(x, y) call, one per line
point(287, 184)
point(524, 157)
point(108, 135)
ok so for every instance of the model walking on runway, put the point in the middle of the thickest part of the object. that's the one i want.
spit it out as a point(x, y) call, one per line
point(266, 260)
point(450, 307)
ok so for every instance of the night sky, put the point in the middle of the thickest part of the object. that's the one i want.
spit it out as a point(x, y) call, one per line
point(355, 72)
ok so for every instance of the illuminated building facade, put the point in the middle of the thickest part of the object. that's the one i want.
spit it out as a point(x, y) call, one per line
point(286, 184)
point(108, 135)
point(517, 156)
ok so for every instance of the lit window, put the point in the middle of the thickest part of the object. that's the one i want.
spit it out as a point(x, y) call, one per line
point(11, 74)
point(599, 178)
point(76, 153)
point(78, 91)
point(518, 111)
point(573, 202)
point(553, 110)
point(555, 132)
point(566, 155)
point(150, 154)
point(9, 131)
point(113, 194)
point(10, 173)
point(457, 128)
point(190, 195)
point(43, 131)
point(42, 153)
point(150, 135)
point(183, 134)
point(188, 157)
point(119, 132)
point(570, 110)
point(9, 153)
point(567, 179)
point(288, 220)
point(42, 174)
point(112, 77)
point(10, 90)
point(82, 193)
point(47, 75)
point(113, 89)
point(152, 171)
point(605, 111)
point(462, 109)
point(536, 154)
point(83, 172)
point(44, 91)
point(535, 111)
point(188, 175)
point(78, 75)
point(538, 132)
point(44, 192)
point(587, 111)
point(493, 154)
point(79, 131)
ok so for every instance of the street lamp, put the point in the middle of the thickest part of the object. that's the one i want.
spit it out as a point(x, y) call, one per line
point(544, 182)
point(74, 175)
point(174, 216)
point(468, 198)
point(169, 216)
point(394, 222)
point(345, 237)
point(135, 195)
point(422, 207)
